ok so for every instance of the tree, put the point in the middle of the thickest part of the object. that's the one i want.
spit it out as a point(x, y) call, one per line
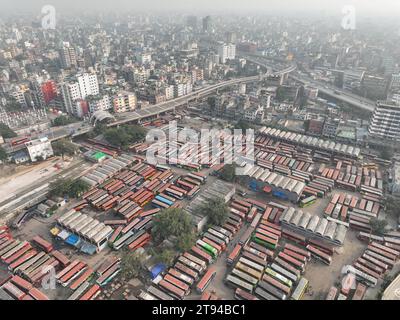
point(243, 125)
point(63, 121)
point(6, 132)
point(175, 225)
point(378, 226)
point(125, 135)
point(164, 255)
point(100, 128)
point(77, 188)
point(228, 172)
point(60, 187)
point(64, 147)
point(387, 153)
point(3, 154)
point(393, 206)
point(131, 264)
point(216, 209)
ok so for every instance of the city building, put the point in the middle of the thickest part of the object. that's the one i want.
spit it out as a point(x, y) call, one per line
point(39, 148)
point(99, 102)
point(124, 102)
point(385, 121)
point(68, 56)
point(226, 52)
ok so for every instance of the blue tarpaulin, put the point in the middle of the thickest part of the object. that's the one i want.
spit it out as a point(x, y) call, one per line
point(157, 269)
point(73, 240)
point(88, 248)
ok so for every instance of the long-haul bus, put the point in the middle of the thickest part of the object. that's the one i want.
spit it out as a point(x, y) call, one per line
point(234, 254)
point(301, 288)
point(237, 283)
point(206, 280)
point(240, 294)
point(208, 248)
point(308, 201)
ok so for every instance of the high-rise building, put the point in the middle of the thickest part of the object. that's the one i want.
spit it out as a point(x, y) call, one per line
point(68, 56)
point(207, 24)
point(226, 51)
point(85, 85)
point(124, 102)
point(88, 85)
point(385, 121)
point(231, 37)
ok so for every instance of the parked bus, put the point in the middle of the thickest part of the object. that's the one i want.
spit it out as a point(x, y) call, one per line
point(186, 270)
point(202, 254)
point(160, 295)
point(308, 201)
point(219, 235)
point(284, 272)
point(171, 289)
point(234, 254)
point(177, 283)
point(164, 200)
point(254, 273)
point(264, 294)
point(206, 280)
point(193, 192)
point(269, 288)
point(237, 283)
point(208, 248)
point(279, 277)
point(180, 276)
point(244, 276)
point(241, 294)
point(196, 260)
point(301, 288)
point(196, 177)
point(325, 258)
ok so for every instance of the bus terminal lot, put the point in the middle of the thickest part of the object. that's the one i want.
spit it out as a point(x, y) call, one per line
point(274, 244)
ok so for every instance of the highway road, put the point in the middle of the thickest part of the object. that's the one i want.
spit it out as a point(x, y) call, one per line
point(339, 94)
point(80, 128)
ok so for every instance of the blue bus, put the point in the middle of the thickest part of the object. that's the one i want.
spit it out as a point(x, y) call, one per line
point(166, 201)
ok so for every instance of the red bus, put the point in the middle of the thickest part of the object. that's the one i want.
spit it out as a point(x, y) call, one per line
point(234, 254)
point(206, 280)
point(43, 244)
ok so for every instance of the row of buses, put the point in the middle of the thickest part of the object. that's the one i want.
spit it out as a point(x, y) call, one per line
point(191, 268)
point(256, 273)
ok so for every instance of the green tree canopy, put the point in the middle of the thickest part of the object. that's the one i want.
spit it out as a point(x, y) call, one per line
point(6, 132)
point(63, 121)
point(164, 255)
point(131, 264)
point(175, 225)
point(64, 147)
point(387, 153)
point(216, 209)
point(228, 172)
point(77, 188)
point(60, 187)
point(243, 125)
point(393, 206)
point(125, 135)
point(378, 226)
point(63, 187)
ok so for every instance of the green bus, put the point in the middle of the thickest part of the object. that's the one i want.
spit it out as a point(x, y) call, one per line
point(308, 201)
point(207, 248)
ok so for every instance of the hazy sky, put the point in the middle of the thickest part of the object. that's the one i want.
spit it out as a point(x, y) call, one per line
point(363, 7)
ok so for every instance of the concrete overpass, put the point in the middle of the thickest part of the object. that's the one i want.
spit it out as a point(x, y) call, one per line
point(80, 128)
point(339, 94)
